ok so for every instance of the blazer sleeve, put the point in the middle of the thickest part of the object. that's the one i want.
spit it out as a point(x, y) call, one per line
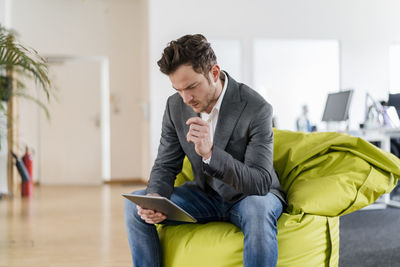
point(169, 158)
point(254, 175)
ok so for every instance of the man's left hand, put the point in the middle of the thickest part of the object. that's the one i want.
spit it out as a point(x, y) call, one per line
point(199, 134)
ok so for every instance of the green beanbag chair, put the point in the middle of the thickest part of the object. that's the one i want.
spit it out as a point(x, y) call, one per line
point(303, 240)
point(332, 174)
point(323, 174)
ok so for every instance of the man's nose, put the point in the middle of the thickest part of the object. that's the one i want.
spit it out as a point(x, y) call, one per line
point(187, 97)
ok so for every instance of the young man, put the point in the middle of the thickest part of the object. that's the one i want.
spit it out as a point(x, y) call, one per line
point(224, 128)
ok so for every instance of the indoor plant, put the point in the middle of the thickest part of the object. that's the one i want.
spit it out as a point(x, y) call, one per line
point(16, 62)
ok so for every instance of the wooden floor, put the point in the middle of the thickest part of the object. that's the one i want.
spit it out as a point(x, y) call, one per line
point(65, 226)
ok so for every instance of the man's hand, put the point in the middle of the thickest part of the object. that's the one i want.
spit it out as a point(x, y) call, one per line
point(151, 216)
point(199, 134)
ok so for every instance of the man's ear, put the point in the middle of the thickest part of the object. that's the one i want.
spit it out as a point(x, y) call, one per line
point(215, 71)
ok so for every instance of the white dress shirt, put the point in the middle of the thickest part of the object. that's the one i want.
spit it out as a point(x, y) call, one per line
point(212, 117)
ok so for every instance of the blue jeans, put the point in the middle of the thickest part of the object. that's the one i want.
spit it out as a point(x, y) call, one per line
point(255, 215)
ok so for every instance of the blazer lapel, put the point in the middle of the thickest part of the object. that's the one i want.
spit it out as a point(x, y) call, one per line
point(229, 114)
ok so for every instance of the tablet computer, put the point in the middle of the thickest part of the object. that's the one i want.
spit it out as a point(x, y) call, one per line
point(163, 205)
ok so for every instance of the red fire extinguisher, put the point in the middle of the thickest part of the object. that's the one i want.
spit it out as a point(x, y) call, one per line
point(27, 186)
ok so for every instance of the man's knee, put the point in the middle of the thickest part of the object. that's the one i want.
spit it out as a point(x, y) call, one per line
point(261, 207)
point(259, 214)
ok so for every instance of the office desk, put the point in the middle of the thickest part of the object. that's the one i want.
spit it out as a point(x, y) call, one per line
point(383, 136)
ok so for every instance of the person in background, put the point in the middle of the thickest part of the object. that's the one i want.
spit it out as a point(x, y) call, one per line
point(302, 122)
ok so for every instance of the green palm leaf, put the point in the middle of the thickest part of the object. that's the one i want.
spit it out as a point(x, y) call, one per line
point(25, 61)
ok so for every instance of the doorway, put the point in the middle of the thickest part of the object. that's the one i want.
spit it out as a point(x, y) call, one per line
point(74, 144)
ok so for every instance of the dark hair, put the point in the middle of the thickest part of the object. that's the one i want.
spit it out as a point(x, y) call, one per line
point(192, 50)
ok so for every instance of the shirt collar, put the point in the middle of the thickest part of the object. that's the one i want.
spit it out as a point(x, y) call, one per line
point(215, 110)
point(221, 97)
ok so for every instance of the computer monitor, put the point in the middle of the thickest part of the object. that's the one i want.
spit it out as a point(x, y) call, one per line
point(394, 100)
point(337, 106)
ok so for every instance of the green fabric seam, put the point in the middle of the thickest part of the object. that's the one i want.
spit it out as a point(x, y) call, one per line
point(333, 234)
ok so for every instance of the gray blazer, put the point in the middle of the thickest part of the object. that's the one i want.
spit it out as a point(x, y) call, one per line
point(241, 162)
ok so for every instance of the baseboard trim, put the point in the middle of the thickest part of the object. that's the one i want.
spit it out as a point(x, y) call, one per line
point(127, 181)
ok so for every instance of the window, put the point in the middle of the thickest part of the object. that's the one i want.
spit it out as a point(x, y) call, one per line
point(293, 73)
point(228, 56)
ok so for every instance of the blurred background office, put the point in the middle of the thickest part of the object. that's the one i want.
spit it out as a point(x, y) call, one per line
point(292, 52)
point(110, 96)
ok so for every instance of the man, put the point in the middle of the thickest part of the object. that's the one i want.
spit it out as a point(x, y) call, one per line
point(224, 128)
point(302, 122)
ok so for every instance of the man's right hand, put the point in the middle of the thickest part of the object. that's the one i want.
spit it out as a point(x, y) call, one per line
point(151, 216)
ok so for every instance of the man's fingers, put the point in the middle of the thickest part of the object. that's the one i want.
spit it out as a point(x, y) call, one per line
point(199, 128)
point(197, 131)
point(194, 134)
point(196, 120)
point(142, 211)
point(145, 212)
point(159, 217)
point(195, 128)
point(150, 216)
point(153, 219)
point(154, 215)
point(193, 138)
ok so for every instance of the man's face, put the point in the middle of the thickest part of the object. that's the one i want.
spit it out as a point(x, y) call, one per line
point(195, 89)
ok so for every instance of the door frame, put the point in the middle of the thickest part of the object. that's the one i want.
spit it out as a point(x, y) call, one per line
point(104, 106)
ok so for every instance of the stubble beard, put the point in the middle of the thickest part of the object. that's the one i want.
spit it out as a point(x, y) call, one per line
point(210, 100)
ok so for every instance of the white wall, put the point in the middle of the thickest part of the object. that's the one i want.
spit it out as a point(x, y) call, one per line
point(5, 12)
point(2, 11)
point(109, 28)
point(395, 68)
point(365, 29)
point(4, 21)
